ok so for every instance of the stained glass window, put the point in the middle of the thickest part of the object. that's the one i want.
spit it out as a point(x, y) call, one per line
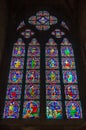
point(64, 25)
point(27, 33)
point(53, 87)
point(58, 33)
point(48, 68)
point(73, 108)
point(43, 20)
point(54, 110)
point(11, 109)
point(21, 25)
point(14, 88)
point(71, 92)
point(31, 107)
point(53, 84)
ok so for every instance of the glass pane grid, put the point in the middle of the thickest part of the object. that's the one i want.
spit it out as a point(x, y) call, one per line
point(14, 87)
point(53, 87)
point(72, 99)
point(31, 106)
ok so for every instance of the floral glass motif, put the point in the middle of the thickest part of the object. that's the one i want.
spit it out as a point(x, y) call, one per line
point(21, 25)
point(11, 109)
point(34, 42)
point(17, 63)
point(33, 63)
point(54, 110)
point(51, 51)
point(32, 91)
point(52, 76)
point(51, 42)
point(71, 92)
point(73, 109)
point(13, 92)
point(27, 33)
point(33, 51)
point(64, 25)
point(58, 33)
point(68, 63)
point(18, 51)
point(31, 109)
point(32, 76)
point(52, 63)
point(15, 76)
point(69, 76)
point(42, 20)
point(19, 42)
point(53, 92)
point(67, 51)
point(66, 42)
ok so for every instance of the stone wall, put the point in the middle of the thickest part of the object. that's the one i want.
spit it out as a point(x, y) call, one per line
point(3, 25)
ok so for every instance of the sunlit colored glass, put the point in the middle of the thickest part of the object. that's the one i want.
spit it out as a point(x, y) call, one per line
point(31, 109)
point(27, 33)
point(33, 51)
point(51, 51)
point(17, 63)
point(15, 76)
point(13, 92)
point(66, 51)
point(33, 63)
point(11, 109)
point(73, 109)
point(64, 25)
point(58, 33)
point(32, 76)
point(53, 92)
point(32, 91)
point(54, 110)
point(18, 51)
point(69, 76)
point(19, 42)
point(68, 63)
point(21, 25)
point(65, 42)
point(52, 63)
point(34, 42)
point(52, 76)
point(51, 42)
point(42, 20)
point(71, 92)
